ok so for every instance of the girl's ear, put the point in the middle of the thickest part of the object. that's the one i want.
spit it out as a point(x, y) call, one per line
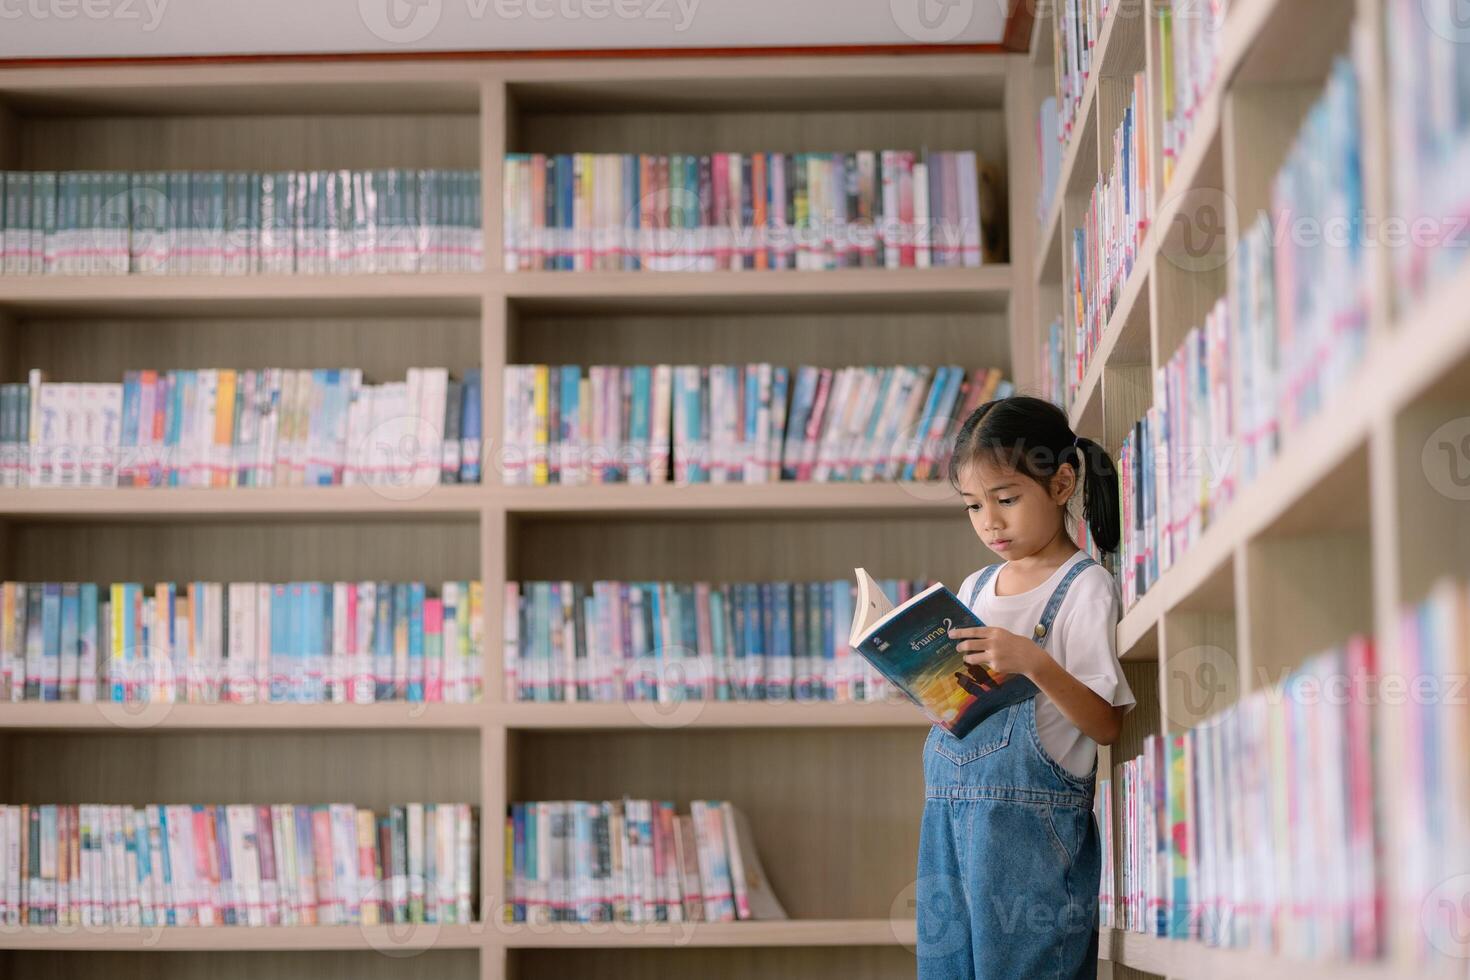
point(1063, 484)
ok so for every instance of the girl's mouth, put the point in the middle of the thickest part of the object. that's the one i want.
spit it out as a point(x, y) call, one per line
point(1000, 544)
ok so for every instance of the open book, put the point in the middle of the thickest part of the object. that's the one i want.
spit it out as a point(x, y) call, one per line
point(910, 646)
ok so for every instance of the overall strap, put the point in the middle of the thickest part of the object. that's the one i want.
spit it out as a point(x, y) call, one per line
point(985, 575)
point(1049, 614)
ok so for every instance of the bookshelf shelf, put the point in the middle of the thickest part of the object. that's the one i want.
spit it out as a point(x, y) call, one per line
point(400, 939)
point(162, 718)
point(942, 290)
point(708, 714)
point(789, 932)
point(730, 498)
point(132, 503)
point(460, 501)
point(170, 296)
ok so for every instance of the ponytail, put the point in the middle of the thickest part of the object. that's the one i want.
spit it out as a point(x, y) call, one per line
point(1099, 479)
point(1033, 436)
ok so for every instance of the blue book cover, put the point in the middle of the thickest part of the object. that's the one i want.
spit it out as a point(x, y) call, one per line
point(910, 646)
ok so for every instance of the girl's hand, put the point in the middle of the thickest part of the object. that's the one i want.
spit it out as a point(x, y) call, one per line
point(998, 649)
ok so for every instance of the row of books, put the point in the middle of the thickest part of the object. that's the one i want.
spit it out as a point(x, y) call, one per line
point(221, 427)
point(697, 212)
point(633, 861)
point(1293, 330)
point(1189, 39)
point(1075, 29)
point(1113, 227)
point(235, 223)
point(735, 423)
point(1059, 377)
point(237, 864)
point(1049, 153)
point(1431, 851)
point(1255, 828)
point(1322, 280)
point(1428, 74)
point(1103, 811)
point(676, 641)
point(241, 642)
point(1177, 465)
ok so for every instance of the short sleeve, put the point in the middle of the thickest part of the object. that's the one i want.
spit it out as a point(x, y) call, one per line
point(964, 590)
point(1088, 639)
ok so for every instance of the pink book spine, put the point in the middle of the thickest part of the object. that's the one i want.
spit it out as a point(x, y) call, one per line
point(434, 666)
point(814, 424)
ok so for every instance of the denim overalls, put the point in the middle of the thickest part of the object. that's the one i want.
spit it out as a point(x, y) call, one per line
point(1008, 849)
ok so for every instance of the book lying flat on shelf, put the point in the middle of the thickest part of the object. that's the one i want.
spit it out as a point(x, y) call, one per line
point(910, 645)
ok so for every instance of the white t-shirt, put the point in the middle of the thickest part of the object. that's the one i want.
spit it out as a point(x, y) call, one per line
point(1083, 640)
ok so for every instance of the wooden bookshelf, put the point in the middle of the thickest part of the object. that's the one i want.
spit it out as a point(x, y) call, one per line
point(844, 872)
point(1344, 528)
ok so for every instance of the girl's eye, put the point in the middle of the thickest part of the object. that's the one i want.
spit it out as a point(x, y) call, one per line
point(972, 507)
point(1009, 500)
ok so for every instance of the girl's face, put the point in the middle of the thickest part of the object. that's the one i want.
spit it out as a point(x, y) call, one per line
point(1013, 514)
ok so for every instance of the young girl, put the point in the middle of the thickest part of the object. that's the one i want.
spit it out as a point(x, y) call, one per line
point(1008, 849)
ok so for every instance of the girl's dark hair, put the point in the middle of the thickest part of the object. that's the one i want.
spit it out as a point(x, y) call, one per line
point(1032, 436)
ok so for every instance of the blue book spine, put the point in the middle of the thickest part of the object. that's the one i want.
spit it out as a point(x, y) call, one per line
point(70, 641)
point(826, 652)
point(470, 428)
point(383, 643)
point(416, 642)
point(298, 627)
point(937, 383)
point(762, 605)
point(717, 642)
point(145, 865)
point(566, 178)
point(801, 407)
point(178, 383)
point(319, 632)
point(128, 440)
point(779, 682)
point(51, 639)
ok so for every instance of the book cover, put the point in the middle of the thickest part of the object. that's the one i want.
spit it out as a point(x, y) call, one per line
point(910, 646)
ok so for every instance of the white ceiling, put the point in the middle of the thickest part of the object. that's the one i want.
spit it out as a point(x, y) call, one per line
point(123, 28)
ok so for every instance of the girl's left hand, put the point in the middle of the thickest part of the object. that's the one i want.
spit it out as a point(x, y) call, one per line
point(998, 649)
